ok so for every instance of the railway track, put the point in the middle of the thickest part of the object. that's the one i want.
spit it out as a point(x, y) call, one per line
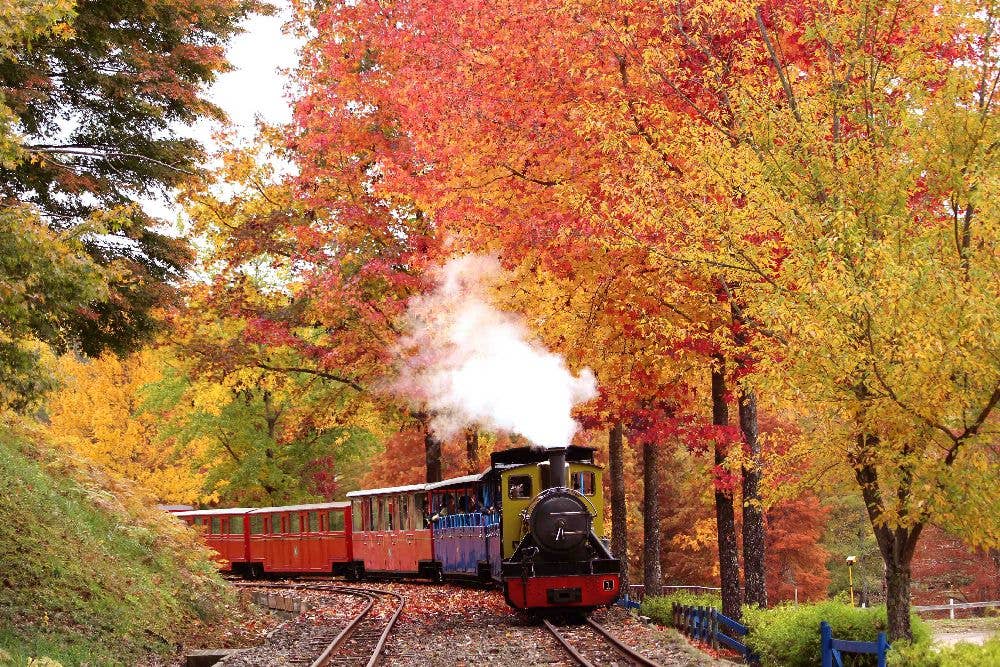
point(591, 645)
point(363, 640)
point(359, 643)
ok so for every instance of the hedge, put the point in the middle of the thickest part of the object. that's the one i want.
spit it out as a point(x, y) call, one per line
point(660, 607)
point(788, 635)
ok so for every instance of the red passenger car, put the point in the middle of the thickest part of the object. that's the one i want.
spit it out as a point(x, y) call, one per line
point(226, 531)
point(301, 538)
point(391, 531)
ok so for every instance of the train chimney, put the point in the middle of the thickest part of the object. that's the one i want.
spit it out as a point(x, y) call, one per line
point(557, 468)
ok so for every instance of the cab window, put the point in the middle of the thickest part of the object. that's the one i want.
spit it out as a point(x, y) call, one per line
point(313, 522)
point(296, 523)
point(235, 525)
point(216, 525)
point(335, 520)
point(519, 486)
point(584, 483)
point(256, 524)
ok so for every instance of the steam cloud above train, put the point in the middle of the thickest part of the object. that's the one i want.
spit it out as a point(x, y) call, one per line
point(469, 363)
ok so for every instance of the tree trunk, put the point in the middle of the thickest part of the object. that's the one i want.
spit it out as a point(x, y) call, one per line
point(432, 449)
point(725, 516)
point(619, 525)
point(652, 482)
point(897, 600)
point(895, 545)
point(472, 449)
point(754, 575)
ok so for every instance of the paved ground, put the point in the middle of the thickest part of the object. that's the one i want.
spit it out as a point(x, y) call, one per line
point(972, 630)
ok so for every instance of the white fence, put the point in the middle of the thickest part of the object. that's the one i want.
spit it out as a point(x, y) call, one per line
point(952, 606)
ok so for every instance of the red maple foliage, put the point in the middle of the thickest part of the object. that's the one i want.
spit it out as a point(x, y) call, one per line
point(796, 560)
point(945, 567)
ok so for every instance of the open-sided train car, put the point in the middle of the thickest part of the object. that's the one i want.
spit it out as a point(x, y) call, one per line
point(315, 538)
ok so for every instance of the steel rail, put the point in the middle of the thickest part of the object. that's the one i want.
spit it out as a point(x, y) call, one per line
point(380, 644)
point(345, 634)
point(370, 594)
point(630, 653)
point(566, 645)
point(639, 658)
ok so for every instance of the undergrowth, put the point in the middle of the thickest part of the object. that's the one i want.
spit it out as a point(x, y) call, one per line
point(90, 573)
point(660, 607)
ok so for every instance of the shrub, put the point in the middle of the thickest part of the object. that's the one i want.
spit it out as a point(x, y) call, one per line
point(959, 655)
point(788, 635)
point(660, 607)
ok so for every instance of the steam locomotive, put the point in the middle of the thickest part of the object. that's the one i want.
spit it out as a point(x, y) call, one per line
point(533, 522)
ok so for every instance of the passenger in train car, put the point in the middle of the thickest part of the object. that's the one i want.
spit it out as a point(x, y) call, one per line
point(425, 515)
point(447, 507)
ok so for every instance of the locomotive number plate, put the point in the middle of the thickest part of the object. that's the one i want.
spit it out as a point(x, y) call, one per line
point(564, 595)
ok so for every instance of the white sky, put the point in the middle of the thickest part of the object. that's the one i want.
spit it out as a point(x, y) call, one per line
point(255, 88)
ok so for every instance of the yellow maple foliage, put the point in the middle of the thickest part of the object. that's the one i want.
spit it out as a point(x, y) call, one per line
point(99, 415)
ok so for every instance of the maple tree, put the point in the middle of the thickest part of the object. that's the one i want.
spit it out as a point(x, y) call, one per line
point(519, 137)
point(739, 145)
point(99, 413)
point(45, 277)
point(947, 568)
point(91, 96)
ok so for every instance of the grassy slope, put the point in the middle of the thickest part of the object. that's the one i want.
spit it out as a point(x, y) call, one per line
point(89, 574)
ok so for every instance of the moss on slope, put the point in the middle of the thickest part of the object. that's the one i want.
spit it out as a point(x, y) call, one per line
point(89, 572)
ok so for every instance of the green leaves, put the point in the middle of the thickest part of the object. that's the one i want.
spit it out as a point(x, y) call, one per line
point(45, 282)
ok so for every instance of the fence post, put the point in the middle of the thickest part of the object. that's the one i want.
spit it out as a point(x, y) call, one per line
point(826, 644)
point(951, 612)
point(713, 627)
point(676, 615)
point(883, 647)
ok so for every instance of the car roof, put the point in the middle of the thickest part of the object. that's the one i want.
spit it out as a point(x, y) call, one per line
point(301, 508)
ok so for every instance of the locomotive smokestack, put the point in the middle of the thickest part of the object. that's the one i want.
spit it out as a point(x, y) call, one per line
point(557, 468)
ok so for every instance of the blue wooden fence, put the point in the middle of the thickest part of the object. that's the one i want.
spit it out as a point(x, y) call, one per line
point(831, 648)
point(711, 626)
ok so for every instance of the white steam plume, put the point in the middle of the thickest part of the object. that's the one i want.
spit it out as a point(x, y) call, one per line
point(469, 363)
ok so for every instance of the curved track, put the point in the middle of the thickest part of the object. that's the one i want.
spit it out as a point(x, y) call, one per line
point(591, 645)
point(362, 640)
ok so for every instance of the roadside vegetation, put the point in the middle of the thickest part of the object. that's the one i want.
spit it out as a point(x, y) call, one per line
point(90, 572)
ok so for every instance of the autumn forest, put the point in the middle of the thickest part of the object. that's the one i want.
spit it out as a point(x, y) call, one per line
point(756, 239)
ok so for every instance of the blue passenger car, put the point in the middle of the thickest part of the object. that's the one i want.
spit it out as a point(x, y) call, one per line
point(466, 527)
